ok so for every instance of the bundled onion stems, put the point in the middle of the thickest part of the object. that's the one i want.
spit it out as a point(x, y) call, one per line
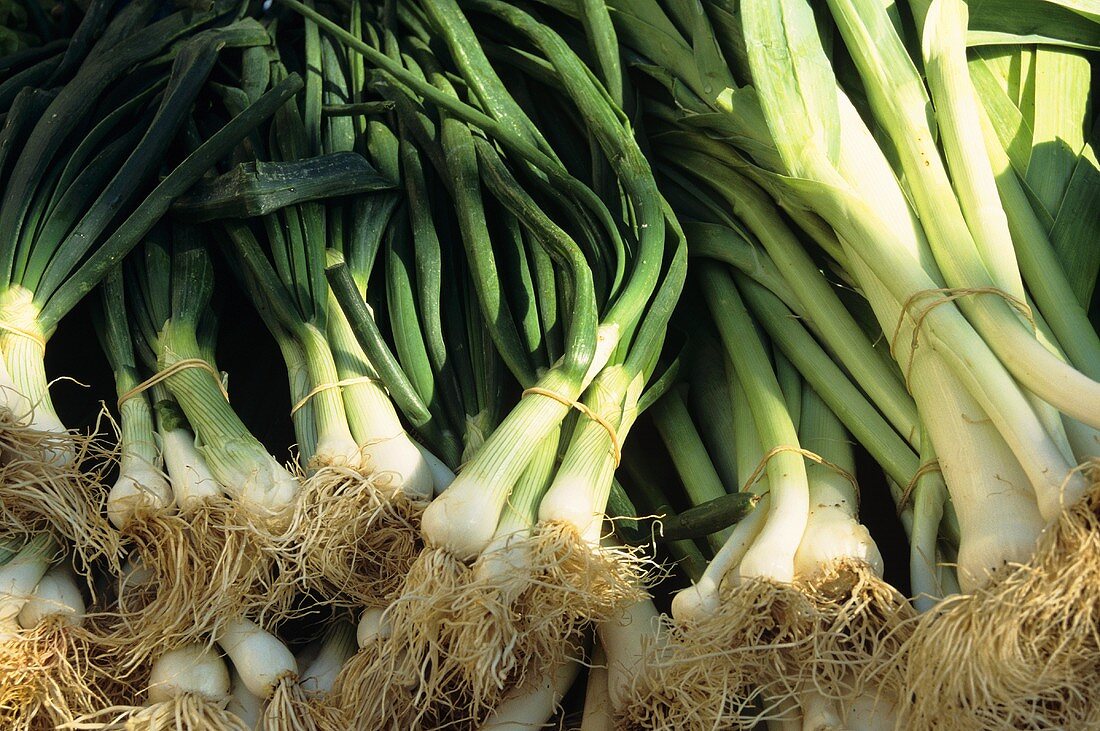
point(342, 523)
point(469, 239)
point(750, 643)
point(51, 667)
point(218, 548)
point(60, 200)
point(58, 205)
point(358, 535)
point(947, 247)
point(485, 538)
point(1023, 447)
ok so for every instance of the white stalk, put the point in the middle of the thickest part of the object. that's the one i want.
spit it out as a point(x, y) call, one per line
point(11, 400)
point(338, 646)
point(701, 598)
point(261, 658)
point(191, 669)
point(19, 577)
point(997, 512)
point(832, 535)
point(397, 455)
point(241, 464)
point(532, 705)
point(578, 494)
point(140, 487)
point(373, 625)
point(833, 531)
point(508, 555)
point(624, 642)
point(242, 703)
point(976, 368)
point(948, 576)
point(374, 423)
point(982, 473)
point(335, 444)
point(944, 44)
point(929, 496)
point(818, 712)
point(265, 487)
point(25, 361)
point(464, 518)
point(192, 481)
point(598, 714)
point(772, 554)
point(999, 517)
point(57, 597)
point(442, 476)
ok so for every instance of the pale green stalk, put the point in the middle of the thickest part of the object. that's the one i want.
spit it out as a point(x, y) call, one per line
point(897, 95)
point(1046, 280)
point(685, 447)
point(890, 264)
point(772, 554)
point(928, 496)
point(972, 175)
point(876, 241)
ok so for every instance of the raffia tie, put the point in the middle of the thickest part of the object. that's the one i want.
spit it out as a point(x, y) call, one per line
point(328, 386)
point(161, 376)
point(813, 457)
point(616, 451)
point(907, 493)
point(949, 294)
point(33, 336)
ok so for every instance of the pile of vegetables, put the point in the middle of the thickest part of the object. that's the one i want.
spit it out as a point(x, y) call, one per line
point(600, 364)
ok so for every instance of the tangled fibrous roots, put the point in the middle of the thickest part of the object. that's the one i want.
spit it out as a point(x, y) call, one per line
point(675, 689)
point(732, 668)
point(860, 620)
point(202, 568)
point(186, 711)
point(527, 612)
point(51, 674)
point(40, 493)
point(577, 584)
point(327, 714)
point(367, 701)
point(487, 645)
point(288, 708)
point(422, 630)
point(1023, 651)
point(357, 539)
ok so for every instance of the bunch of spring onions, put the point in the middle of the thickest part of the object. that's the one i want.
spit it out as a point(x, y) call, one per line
point(517, 535)
point(81, 162)
point(212, 544)
point(948, 248)
point(78, 159)
point(338, 509)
